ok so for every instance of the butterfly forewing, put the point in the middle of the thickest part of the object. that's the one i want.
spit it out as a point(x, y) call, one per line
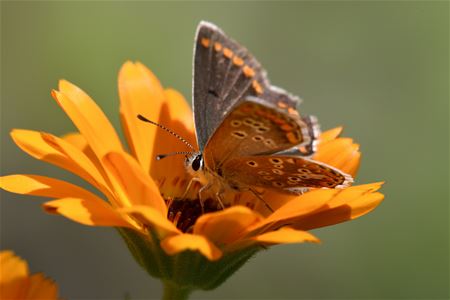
point(254, 127)
point(225, 73)
point(283, 173)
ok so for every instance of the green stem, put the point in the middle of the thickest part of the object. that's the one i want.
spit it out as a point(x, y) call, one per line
point(173, 291)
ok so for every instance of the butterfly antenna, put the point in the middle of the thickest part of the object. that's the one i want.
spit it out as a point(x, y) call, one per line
point(161, 156)
point(142, 118)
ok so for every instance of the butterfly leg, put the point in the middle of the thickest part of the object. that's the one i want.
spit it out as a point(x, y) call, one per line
point(260, 198)
point(188, 187)
point(206, 191)
point(203, 194)
point(219, 198)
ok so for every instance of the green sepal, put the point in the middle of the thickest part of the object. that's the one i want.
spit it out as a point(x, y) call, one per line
point(187, 271)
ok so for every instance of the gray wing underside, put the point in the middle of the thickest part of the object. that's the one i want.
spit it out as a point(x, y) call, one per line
point(219, 82)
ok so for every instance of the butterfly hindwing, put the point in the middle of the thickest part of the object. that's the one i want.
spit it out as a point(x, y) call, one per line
point(282, 173)
point(225, 73)
point(307, 149)
point(254, 127)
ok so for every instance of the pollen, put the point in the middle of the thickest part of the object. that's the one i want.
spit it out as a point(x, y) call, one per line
point(183, 213)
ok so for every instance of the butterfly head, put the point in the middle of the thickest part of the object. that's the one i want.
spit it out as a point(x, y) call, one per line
point(194, 163)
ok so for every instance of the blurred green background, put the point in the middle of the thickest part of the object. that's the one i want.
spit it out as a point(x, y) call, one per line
point(378, 68)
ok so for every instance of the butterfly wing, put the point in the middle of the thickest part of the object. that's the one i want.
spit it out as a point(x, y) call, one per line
point(225, 73)
point(306, 149)
point(254, 127)
point(287, 174)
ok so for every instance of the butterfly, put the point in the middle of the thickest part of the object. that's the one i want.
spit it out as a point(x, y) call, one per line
point(249, 132)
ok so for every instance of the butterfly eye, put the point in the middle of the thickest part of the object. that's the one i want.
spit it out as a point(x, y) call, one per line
point(197, 163)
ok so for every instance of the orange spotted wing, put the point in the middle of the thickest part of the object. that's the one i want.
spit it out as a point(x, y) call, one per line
point(225, 73)
point(244, 149)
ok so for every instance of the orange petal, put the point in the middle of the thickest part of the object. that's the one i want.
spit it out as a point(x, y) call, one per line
point(42, 288)
point(327, 151)
point(180, 112)
point(350, 210)
point(88, 118)
point(340, 153)
point(86, 211)
point(42, 186)
point(184, 242)
point(339, 161)
point(13, 276)
point(226, 226)
point(330, 135)
point(135, 185)
point(94, 171)
point(352, 165)
point(15, 283)
point(152, 218)
point(286, 235)
point(175, 114)
point(140, 93)
point(49, 148)
point(12, 267)
point(300, 206)
point(77, 140)
point(352, 193)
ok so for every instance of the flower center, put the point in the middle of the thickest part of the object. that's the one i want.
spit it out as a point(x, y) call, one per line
point(185, 212)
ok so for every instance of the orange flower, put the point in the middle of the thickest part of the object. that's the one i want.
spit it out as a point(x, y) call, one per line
point(144, 195)
point(17, 283)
